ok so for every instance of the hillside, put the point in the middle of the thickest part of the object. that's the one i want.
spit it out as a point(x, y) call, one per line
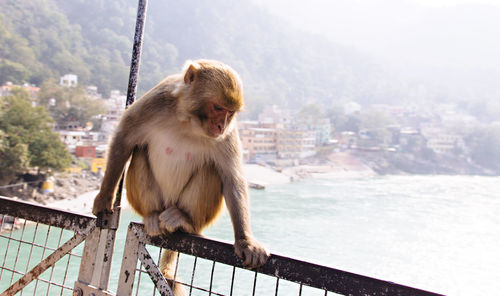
point(279, 63)
point(48, 38)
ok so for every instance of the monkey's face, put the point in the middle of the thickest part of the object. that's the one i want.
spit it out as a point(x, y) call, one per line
point(218, 118)
point(215, 95)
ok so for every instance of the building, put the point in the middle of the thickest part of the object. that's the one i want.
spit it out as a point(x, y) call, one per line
point(279, 138)
point(114, 93)
point(409, 140)
point(320, 128)
point(259, 144)
point(31, 89)
point(275, 143)
point(115, 108)
point(93, 92)
point(443, 142)
point(295, 144)
point(79, 138)
point(85, 151)
point(69, 80)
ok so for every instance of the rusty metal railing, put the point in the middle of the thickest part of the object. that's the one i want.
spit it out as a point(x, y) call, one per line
point(35, 243)
point(204, 266)
point(280, 275)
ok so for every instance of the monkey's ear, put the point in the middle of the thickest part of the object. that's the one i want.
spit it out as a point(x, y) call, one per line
point(191, 72)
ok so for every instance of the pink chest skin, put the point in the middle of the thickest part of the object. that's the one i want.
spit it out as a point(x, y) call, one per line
point(169, 150)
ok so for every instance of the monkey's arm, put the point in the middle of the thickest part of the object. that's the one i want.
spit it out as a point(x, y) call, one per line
point(119, 151)
point(245, 245)
point(235, 190)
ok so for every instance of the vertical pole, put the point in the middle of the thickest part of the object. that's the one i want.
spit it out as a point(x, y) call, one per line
point(136, 52)
point(134, 72)
point(131, 93)
point(107, 221)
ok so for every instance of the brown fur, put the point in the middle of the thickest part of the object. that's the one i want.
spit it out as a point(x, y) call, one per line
point(186, 158)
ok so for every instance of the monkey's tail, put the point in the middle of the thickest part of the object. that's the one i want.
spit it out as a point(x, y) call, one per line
point(168, 262)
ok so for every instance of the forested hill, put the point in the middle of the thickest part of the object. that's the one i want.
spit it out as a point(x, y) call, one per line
point(40, 39)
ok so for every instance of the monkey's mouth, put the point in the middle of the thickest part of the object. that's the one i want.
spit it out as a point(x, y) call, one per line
point(216, 129)
point(215, 132)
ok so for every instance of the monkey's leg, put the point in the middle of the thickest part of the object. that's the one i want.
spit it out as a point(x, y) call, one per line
point(199, 203)
point(167, 267)
point(143, 193)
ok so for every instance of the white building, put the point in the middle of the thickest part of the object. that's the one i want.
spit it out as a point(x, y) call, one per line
point(443, 142)
point(69, 80)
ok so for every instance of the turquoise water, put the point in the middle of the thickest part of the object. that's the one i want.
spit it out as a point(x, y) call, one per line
point(440, 233)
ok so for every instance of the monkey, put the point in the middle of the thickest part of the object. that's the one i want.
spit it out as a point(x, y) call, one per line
point(185, 159)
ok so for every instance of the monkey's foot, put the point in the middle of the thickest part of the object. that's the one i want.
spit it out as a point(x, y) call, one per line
point(152, 224)
point(173, 219)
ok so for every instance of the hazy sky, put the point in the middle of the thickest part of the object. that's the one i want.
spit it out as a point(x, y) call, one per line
point(432, 37)
point(455, 2)
point(439, 31)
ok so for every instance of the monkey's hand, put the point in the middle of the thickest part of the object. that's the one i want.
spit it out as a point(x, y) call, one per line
point(251, 252)
point(102, 202)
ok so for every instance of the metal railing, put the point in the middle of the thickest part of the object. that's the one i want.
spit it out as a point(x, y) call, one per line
point(32, 248)
point(204, 266)
point(295, 275)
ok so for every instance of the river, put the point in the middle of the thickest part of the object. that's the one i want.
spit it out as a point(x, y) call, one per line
point(439, 233)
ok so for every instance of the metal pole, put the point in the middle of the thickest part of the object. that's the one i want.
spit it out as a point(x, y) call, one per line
point(136, 52)
point(131, 93)
point(105, 221)
point(134, 74)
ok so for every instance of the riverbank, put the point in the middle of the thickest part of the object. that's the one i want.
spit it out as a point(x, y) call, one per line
point(63, 187)
point(76, 192)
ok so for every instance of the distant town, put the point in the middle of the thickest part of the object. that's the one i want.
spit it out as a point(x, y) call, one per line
point(383, 138)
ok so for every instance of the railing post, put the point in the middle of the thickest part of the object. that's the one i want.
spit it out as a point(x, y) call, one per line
point(94, 278)
point(136, 250)
point(129, 264)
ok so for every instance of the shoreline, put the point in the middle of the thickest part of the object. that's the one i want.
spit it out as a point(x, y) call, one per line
point(68, 188)
point(83, 203)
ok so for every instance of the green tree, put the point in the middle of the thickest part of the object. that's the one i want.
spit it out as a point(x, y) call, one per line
point(14, 158)
point(311, 112)
point(376, 123)
point(26, 137)
point(71, 104)
point(13, 72)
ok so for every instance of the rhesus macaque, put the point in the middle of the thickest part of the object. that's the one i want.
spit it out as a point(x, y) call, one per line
point(185, 158)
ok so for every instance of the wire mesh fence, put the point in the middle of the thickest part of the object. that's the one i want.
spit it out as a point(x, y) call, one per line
point(200, 276)
point(25, 246)
point(209, 267)
point(41, 244)
point(41, 254)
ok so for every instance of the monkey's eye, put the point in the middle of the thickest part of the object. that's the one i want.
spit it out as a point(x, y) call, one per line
point(218, 108)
